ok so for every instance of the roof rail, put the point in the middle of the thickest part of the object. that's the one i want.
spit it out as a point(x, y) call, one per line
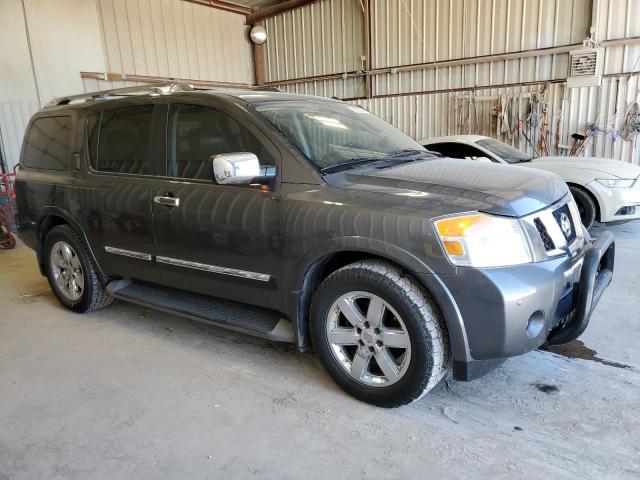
point(159, 89)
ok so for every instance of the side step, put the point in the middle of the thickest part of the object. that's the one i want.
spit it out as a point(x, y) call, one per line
point(222, 313)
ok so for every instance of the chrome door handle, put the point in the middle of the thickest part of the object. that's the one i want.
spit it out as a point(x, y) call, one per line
point(169, 201)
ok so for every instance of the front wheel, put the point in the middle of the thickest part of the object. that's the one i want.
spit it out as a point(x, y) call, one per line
point(379, 334)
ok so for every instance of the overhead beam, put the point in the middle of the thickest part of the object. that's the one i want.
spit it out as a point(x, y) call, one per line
point(222, 5)
point(275, 9)
point(123, 77)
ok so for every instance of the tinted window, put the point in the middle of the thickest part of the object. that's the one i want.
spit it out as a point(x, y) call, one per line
point(48, 144)
point(456, 150)
point(504, 151)
point(123, 145)
point(195, 133)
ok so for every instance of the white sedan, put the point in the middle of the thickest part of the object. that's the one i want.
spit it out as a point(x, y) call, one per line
point(605, 190)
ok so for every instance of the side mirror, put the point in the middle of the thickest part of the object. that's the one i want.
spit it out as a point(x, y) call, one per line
point(235, 168)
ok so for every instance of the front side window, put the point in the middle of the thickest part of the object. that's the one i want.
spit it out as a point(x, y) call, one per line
point(330, 134)
point(504, 151)
point(47, 145)
point(123, 145)
point(196, 133)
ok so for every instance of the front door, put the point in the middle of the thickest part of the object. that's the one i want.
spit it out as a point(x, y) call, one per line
point(220, 240)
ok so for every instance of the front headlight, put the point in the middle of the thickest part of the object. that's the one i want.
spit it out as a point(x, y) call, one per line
point(616, 182)
point(480, 240)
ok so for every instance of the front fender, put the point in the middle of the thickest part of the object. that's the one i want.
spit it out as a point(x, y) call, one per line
point(299, 285)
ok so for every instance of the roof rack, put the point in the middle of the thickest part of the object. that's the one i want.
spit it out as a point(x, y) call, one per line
point(158, 89)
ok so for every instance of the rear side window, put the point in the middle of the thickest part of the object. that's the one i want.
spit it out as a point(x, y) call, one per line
point(47, 145)
point(123, 140)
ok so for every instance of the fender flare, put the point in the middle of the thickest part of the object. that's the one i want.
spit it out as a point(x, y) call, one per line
point(300, 286)
point(52, 211)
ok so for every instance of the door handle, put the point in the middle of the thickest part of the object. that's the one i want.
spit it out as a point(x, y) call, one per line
point(169, 201)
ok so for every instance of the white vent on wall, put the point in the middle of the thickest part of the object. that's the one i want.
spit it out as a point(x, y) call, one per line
point(585, 67)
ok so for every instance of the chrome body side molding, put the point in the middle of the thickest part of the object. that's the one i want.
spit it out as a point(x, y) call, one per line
point(128, 253)
point(262, 277)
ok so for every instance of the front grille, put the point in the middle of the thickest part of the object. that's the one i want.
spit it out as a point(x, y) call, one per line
point(563, 216)
point(558, 229)
point(544, 235)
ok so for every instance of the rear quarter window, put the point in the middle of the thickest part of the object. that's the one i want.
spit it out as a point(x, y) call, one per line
point(47, 145)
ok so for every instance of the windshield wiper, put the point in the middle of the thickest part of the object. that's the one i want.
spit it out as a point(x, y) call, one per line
point(410, 152)
point(353, 162)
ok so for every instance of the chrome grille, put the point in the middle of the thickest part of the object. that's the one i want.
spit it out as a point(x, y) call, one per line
point(544, 235)
point(558, 229)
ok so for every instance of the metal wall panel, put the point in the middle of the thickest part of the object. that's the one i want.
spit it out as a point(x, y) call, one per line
point(407, 32)
point(410, 32)
point(172, 38)
point(320, 38)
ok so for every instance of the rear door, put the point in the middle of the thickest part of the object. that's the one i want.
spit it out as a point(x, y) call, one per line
point(220, 240)
point(114, 204)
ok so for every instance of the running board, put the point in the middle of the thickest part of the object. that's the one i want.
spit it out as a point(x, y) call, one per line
point(222, 313)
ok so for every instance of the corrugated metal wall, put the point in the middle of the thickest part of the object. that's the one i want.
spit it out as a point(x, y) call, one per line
point(325, 37)
point(172, 38)
point(410, 32)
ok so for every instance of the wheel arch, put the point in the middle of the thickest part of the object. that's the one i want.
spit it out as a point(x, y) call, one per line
point(592, 195)
point(50, 217)
point(321, 265)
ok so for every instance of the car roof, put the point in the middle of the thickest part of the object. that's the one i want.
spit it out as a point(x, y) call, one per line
point(453, 138)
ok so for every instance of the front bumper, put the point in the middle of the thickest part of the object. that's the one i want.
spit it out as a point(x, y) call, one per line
point(612, 200)
point(512, 310)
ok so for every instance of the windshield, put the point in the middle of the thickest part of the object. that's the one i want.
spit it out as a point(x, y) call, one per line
point(504, 151)
point(335, 135)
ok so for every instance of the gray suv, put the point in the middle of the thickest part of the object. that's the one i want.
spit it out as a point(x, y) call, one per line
point(305, 220)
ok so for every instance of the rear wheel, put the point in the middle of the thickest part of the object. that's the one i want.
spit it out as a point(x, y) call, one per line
point(586, 206)
point(71, 271)
point(379, 334)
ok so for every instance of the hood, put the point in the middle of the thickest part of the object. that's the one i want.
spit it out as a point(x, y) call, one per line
point(498, 189)
point(608, 166)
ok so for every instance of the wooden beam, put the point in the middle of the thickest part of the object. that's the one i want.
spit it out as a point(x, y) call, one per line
point(272, 10)
point(124, 77)
point(222, 5)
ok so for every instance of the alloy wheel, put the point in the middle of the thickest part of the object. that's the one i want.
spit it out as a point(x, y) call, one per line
point(368, 338)
point(67, 270)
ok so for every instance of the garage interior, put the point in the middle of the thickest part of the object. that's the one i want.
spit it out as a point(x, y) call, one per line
point(128, 392)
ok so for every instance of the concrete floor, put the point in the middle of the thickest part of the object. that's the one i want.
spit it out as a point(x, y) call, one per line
point(131, 393)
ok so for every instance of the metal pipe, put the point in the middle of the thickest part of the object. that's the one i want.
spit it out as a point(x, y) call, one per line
point(462, 89)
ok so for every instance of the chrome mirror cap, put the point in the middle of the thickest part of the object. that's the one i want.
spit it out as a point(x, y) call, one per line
point(230, 168)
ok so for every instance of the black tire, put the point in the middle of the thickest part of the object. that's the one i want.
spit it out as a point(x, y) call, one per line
point(429, 359)
point(586, 206)
point(94, 295)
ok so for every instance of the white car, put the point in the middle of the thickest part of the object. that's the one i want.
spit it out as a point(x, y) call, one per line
point(605, 190)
